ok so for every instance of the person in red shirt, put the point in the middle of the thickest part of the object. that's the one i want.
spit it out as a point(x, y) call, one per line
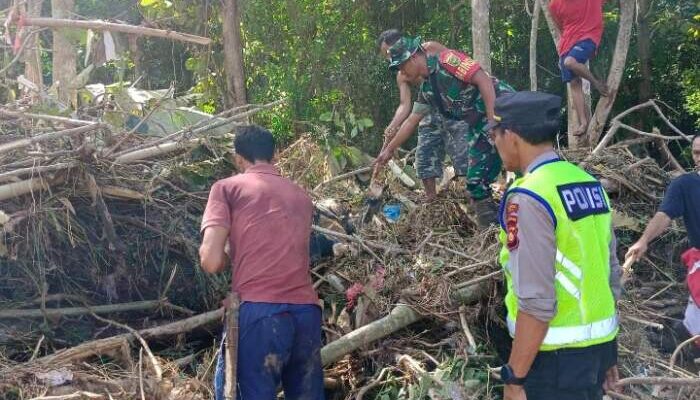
point(262, 221)
point(581, 25)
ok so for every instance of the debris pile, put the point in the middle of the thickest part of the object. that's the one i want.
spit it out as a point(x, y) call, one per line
point(102, 295)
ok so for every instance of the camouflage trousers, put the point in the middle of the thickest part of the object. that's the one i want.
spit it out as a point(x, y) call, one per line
point(469, 148)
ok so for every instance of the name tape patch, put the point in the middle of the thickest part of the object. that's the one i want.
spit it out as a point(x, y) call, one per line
point(583, 199)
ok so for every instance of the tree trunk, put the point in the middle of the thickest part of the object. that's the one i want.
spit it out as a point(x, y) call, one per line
point(617, 68)
point(64, 53)
point(572, 120)
point(480, 33)
point(32, 55)
point(233, 54)
point(536, 10)
point(643, 50)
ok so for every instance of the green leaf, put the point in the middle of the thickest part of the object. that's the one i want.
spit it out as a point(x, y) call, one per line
point(365, 122)
point(351, 118)
point(354, 132)
point(149, 3)
point(326, 117)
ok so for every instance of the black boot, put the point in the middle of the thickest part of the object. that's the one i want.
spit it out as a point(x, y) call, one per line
point(486, 212)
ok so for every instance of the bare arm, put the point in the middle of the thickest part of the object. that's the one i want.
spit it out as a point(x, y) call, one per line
point(405, 132)
point(212, 254)
point(529, 335)
point(407, 129)
point(483, 81)
point(656, 227)
point(402, 111)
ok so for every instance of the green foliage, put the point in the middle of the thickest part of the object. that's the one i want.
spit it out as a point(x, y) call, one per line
point(322, 57)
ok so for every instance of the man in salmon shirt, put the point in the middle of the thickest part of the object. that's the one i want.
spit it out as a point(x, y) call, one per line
point(581, 25)
point(266, 221)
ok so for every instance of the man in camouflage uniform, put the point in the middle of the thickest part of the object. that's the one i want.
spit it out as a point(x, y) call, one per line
point(462, 95)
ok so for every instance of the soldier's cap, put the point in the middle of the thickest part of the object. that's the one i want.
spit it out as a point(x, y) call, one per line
point(402, 50)
point(525, 112)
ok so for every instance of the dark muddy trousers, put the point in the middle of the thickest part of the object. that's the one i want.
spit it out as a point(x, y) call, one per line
point(278, 344)
point(571, 374)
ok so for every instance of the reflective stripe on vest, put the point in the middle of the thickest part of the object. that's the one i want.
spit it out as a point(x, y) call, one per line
point(557, 336)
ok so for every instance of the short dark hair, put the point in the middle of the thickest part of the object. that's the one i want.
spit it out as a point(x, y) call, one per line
point(254, 143)
point(389, 37)
point(696, 137)
point(545, 132)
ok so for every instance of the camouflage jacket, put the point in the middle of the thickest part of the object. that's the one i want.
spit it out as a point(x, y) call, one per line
point(452, 72)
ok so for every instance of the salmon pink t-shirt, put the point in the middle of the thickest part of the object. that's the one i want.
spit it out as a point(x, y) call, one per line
point(269, 222)
point(578, 20)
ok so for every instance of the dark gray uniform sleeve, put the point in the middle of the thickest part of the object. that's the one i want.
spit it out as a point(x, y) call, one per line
point(533, 252)
point(615, 269)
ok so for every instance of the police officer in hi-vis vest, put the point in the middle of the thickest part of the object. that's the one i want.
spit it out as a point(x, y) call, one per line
point(559, 259)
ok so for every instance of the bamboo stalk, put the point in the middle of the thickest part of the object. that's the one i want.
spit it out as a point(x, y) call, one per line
point(16, 189)
point(5, 176)
point(51, 118)
point(71, 311)
point(22, 143)
point(155, 151)
point(97, 25)
point(400, 317)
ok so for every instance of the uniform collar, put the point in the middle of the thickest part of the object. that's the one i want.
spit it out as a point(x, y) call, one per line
point(432, 63)
point(542, 159)
point(262, 168)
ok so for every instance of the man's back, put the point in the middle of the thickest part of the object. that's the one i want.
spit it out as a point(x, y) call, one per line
point(578, 20)
point(682, 199)
point(269, 218)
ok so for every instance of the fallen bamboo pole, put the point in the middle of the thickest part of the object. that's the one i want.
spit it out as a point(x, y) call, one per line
point(51, 118)
point(400, 317)
point(97, 25)
point(22, 143)
point(72, 311)
point(112, 344)
point(6, 176)
point(215, 121)
point(155, 151)
point(16, 189)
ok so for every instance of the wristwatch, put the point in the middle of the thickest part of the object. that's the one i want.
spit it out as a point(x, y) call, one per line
point(509, 378)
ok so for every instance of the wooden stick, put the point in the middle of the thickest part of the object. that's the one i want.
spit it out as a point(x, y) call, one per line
point(144, 345)
point(111, 344)
point(660, 380)
point(369, 243)
point(480, 279)
point(51, 118)
point(676, 352)
point(231, 382)
point(155, 151)
point(400, 317)
point(343, 176)
point(19, 144)
point(97, 25)
point(16, 189)
point(205, 125)
point(77, 395)
point(35, 170)
point(71, 311)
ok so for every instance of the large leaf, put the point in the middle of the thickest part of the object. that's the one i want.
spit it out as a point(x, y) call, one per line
point(326, 117)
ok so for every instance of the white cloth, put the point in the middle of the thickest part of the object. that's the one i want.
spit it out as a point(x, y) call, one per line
point(692, 318)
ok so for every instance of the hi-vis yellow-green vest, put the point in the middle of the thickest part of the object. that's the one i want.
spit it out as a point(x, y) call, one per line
point(580, 210)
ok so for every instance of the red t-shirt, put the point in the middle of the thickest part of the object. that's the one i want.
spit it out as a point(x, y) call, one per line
point(269, 221)
point(578, 20)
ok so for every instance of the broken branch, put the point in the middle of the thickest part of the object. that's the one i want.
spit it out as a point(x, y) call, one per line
point(97, 25)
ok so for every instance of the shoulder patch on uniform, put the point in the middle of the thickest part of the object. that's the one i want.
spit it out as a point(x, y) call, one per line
point(583, 199)
point(458, 64)
point(512, 226)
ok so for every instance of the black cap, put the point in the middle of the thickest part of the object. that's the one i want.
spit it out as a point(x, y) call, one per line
point(526, 111)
